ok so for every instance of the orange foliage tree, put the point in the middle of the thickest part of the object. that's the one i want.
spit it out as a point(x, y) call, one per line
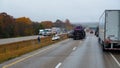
point(47, 24)
point(24, 26)
point(11, 27)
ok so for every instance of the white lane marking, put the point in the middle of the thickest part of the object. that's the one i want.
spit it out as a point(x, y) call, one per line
point(74, 48)
point(58, 65)
point(115, 59)
point(20, 60)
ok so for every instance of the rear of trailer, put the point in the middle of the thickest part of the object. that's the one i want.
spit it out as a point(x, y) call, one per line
point(109, 30)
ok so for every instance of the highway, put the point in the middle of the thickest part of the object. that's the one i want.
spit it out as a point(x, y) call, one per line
point(69, 53)
point(17, 39)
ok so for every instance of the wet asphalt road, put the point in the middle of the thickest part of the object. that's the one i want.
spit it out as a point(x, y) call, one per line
point(70, 53)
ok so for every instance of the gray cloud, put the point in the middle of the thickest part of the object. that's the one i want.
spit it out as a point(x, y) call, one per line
point(75, 10)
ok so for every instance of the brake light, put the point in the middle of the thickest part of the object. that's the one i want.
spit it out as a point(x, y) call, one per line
point(108, 40)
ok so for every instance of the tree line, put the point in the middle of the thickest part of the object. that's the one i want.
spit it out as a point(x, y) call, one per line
point(23, 26)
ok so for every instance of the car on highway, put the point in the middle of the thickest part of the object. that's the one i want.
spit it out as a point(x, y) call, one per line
point(97, 32)
point(70, 34)
point(55, 37)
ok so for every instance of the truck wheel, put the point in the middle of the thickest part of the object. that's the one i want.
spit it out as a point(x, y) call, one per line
point(103, 49)
point(74, 38)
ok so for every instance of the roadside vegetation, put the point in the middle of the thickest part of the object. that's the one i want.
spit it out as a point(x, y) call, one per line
point(10, 51)
point(24, 26)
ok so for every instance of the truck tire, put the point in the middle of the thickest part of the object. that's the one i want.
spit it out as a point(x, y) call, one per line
point(74, 38)
point(103, 48)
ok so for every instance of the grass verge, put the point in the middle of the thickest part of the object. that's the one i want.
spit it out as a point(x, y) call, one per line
point(10, 51)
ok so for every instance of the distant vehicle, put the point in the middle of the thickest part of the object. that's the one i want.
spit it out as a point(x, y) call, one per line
point(48, 32)
point(55, 37)
point(70, 34)
point(45, 32)
point(91, 32)
point(97, 32)
point(56, 30)
point(41, 32)
point(109, 30)
point(79, 33)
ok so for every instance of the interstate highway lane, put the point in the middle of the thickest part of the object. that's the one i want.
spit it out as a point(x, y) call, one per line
point(69, 53)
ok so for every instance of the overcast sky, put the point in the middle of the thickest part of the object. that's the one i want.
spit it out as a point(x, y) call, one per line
point(74, 10)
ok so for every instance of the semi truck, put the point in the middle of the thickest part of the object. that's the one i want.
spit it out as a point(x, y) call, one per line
point(109, 30)
point(79, 33)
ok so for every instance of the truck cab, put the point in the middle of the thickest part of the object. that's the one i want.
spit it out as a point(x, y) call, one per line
point(79, 33)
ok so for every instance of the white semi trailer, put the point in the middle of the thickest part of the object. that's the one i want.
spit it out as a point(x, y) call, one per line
point(109, 30)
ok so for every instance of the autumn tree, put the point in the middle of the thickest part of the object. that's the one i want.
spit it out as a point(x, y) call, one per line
point(47, 24)
point(11, 27)
point(24, 26)
point(36, 27)
point(6, 25)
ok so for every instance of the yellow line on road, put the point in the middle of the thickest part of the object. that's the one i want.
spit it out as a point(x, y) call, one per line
point(20, 60)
